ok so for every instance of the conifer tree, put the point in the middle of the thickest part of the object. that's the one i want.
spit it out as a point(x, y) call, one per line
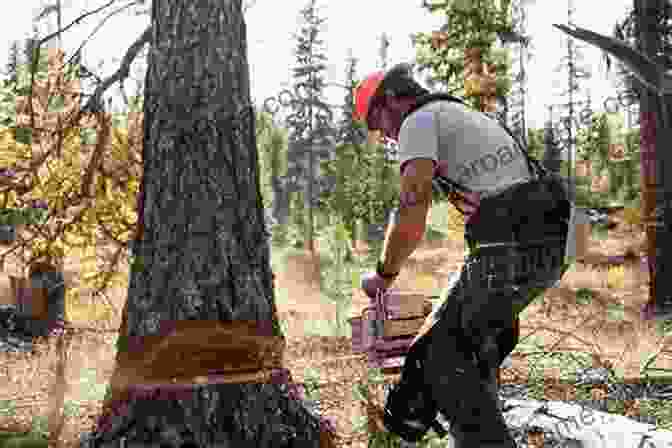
point(361, 186)
point(461, 57)
point(573, 66)
point(310, 123)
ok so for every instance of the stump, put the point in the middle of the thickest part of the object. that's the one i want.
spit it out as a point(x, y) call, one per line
point(40, 298)
point(7, 234)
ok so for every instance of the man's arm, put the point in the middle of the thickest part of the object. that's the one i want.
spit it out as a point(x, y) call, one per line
point(405, 232)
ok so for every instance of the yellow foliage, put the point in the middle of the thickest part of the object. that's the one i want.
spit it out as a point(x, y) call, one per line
point(58, 183)
point(76, 222)
point(78, 311)
point(632, 216)
point(455, 223)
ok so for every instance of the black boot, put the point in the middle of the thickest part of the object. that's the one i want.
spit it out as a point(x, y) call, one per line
point(410, 412)
point(473, 427)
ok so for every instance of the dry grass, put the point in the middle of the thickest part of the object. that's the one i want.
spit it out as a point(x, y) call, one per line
point(609, 325)
point(559, 322)
point(28, 380)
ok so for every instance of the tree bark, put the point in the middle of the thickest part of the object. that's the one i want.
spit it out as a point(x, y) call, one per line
point(649, 41)
point(664, 205)
point(203, 257)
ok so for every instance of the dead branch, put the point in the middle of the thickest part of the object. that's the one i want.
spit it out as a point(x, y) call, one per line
point(74, 22)
point(96, 159)
point(121, 73)
point(98, 27)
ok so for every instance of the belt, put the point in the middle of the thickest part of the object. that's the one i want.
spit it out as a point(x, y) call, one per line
point(504, 189)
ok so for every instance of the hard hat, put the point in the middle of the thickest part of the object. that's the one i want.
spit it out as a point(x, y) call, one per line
point(364, 92)
point(375, 83)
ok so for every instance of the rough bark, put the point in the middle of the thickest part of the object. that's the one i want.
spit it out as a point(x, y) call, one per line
point(665, 241)
point(203, 254)
point(650, 43)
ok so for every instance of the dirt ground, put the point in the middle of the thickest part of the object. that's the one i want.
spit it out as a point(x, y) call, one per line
point(559, 321)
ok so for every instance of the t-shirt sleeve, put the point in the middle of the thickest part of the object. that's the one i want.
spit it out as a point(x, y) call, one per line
point(418, 139)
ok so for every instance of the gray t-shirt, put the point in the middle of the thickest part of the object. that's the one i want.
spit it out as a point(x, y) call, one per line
point(468, 146)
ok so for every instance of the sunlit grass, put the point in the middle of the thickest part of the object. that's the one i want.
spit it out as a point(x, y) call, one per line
point(80, 310)
point(424, 282)
point(632, 216)
point(444, 217)
point(616, 277)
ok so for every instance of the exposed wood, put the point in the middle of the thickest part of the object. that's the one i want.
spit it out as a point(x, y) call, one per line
point(406, 305)
point(402, 327)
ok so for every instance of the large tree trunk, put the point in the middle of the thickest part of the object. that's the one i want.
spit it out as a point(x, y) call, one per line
point(200, 296)
point(664, 246)
point(650, 43)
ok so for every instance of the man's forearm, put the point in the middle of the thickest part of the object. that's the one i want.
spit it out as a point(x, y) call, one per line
point(404, 234)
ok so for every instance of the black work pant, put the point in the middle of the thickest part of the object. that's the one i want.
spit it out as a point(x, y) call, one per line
point(517, 245)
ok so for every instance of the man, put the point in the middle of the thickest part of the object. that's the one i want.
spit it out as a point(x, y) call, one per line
point(517, 220)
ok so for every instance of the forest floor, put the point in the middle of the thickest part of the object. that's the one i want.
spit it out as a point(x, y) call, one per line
point(607, 325)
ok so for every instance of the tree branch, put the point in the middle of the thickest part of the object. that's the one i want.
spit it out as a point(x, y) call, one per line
point(121, 73)
point(75, 22)
point(98, 27)
point(124, 97)
point(46, 11)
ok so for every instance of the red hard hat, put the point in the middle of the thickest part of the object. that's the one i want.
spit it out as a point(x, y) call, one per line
point(364, 92)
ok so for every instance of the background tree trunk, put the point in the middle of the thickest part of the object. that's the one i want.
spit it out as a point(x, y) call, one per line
point(203, 255)
point(649, 40)
point(552, 152)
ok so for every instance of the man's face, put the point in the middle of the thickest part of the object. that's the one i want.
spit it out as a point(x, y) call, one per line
point(385, 117)
point(375, 118)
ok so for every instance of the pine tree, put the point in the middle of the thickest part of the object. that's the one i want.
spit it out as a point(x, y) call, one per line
point(310, 123)
point(361, 182)
point(520, 43)
point(574, 67)
point(349, 130)
point(461, 58)
point(272, 145)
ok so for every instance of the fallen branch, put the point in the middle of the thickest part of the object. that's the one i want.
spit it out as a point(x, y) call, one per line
point(566, 334)
point(591, 428)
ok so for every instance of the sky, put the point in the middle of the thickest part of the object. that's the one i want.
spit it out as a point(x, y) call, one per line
point(354, 25)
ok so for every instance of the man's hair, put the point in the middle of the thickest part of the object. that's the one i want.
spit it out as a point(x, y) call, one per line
point(399, 81)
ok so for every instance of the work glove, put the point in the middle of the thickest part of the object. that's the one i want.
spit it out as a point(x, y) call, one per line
point(373, 283)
